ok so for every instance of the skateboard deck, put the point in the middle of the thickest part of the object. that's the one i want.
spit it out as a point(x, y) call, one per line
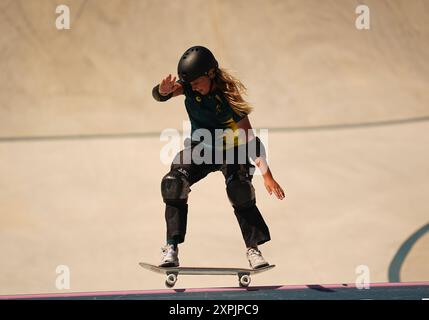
point(173, 272)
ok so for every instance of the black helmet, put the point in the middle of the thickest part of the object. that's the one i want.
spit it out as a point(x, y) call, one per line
point(195, 62)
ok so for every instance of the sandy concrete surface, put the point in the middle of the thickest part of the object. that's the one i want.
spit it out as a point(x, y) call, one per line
point(80, 169)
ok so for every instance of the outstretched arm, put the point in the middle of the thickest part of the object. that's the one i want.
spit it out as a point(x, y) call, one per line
point(167, 89)
point(261, 162)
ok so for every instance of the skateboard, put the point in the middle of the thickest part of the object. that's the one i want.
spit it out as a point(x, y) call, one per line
point(173, 272)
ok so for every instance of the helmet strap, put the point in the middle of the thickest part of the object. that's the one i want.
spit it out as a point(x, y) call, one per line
point(212, 79)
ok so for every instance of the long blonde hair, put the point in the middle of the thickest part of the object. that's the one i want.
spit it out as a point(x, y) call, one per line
point(233, 90)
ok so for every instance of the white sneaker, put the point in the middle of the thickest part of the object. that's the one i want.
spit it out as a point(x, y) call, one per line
point(256, 260)
point(170, 257)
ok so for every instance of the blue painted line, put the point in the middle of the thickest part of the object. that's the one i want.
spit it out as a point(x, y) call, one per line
point(142, 135)
point(399, 258)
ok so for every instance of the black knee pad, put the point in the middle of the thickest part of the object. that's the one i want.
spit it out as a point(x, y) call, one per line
point(241, 193)
point(175, 186)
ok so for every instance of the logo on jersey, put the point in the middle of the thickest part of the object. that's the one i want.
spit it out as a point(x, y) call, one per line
point(218, 109)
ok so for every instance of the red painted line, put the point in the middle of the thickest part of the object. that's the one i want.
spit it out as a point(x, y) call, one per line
point(353, 285)
point(220, 289)
point(80, 294)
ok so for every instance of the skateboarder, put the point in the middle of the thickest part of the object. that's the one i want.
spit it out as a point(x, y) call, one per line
point(213, 100)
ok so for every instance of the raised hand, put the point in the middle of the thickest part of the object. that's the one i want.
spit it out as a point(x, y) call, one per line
point(168, 85)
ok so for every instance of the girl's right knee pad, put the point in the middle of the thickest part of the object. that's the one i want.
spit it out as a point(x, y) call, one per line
point(174, 186)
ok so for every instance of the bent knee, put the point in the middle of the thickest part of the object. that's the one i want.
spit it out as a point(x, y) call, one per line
point(241, 193)
point(175, 186)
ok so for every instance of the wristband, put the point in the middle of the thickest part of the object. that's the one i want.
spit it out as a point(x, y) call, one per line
point(158, 97)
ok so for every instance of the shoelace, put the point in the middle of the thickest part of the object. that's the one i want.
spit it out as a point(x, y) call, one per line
point(254, 252)
point(165, 249)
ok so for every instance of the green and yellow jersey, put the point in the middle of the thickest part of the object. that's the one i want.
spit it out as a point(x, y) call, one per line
point(211, 112)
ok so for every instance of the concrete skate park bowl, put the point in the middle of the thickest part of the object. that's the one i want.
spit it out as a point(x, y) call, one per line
point(347, 112)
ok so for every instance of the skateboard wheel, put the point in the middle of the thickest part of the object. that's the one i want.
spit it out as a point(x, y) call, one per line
point(244, 280)
point(171, 280)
